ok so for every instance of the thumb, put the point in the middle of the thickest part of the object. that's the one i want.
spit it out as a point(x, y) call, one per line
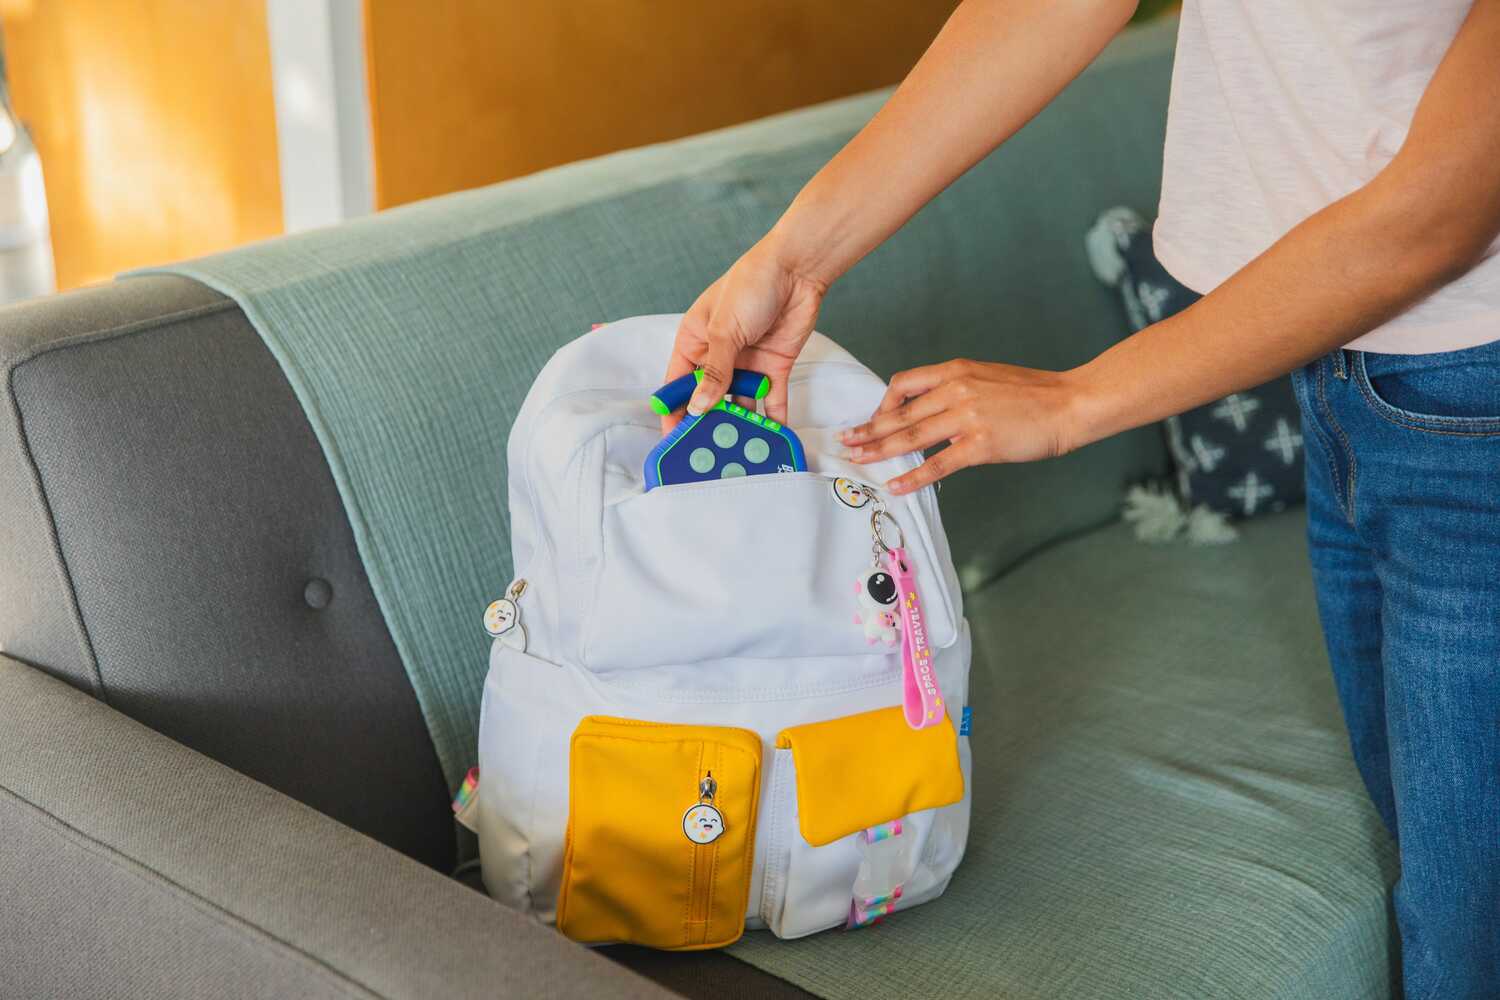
point(718, 368)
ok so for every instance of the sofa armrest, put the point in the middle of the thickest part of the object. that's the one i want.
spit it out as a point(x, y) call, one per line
point(133, 866)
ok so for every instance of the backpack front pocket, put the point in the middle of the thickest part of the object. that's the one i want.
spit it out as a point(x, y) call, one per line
point(661, 833)
point(757, 567)
point(861, 810)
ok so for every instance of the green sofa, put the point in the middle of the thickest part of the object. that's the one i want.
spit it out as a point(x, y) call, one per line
point(215, 779)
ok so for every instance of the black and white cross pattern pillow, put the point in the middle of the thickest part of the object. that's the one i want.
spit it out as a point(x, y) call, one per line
point(1240, 455)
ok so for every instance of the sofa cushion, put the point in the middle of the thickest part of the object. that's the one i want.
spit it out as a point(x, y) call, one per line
point(1164, 803)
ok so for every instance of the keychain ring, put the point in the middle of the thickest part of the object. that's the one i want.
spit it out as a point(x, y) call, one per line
point(875, 517)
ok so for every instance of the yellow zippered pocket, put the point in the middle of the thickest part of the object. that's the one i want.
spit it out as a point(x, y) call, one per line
point(661, 833)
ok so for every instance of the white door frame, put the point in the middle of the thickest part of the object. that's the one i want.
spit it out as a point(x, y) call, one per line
point(322, 111)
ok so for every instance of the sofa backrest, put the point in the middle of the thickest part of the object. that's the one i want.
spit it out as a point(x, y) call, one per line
point(171, 539)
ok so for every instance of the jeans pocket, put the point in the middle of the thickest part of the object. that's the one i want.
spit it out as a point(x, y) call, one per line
point(1455, 392)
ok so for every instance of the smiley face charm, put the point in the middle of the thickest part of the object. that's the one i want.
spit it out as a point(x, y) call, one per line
point(502, 619)
point(851, 493)
point(703, 824)
point(501, 616)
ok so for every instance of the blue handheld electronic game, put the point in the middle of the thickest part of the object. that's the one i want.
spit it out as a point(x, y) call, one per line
point(726, 441)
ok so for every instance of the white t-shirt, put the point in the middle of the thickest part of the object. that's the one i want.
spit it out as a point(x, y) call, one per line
point(1280, 107)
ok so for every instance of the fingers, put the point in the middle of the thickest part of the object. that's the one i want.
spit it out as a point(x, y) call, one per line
point(692, 331)
point(944, 463)
point(916, 437)
point(913, 382)
point(718, 367)
point(678, 366)
point(776, 399)
point(887, 422)
point(779, 369)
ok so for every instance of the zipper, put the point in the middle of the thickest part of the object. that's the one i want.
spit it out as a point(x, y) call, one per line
point(704, 858)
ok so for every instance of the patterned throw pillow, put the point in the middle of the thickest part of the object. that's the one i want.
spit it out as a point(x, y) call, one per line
point(1241, 455)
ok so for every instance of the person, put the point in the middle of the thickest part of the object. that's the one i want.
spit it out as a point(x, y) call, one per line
point(1332, 185)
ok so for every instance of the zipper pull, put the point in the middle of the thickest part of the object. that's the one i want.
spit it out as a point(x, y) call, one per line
point(853, 493)
point(703, 823)
point(502, 619)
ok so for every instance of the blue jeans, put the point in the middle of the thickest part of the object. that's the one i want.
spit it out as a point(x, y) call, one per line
point(1403, 494)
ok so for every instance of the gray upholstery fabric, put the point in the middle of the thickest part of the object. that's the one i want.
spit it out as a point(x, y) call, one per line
point(79, 921)
point(131, 866)
point(193, 509)
point(38, 619)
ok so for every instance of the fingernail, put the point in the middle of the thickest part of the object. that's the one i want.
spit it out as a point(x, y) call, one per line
point(694, 409)
point(855, 453)
point(896, 486)
point(844, 434)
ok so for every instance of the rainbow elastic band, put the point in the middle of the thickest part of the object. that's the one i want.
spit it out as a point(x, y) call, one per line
point(467, 790)
point(869, 910)
point(870, 902)
point(868, 916)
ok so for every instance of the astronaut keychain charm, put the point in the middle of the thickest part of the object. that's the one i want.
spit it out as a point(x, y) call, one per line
point(703, 823)
point(502, 619)
point(890, 610)
point(874, 589)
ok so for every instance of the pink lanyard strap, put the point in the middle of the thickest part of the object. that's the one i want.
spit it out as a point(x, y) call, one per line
point(922, 701)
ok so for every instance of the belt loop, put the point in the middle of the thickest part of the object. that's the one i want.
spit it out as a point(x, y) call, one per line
point(1340, 364)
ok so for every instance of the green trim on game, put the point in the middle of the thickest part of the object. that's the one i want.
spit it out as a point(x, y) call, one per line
point(659, 406)
point(760, 390)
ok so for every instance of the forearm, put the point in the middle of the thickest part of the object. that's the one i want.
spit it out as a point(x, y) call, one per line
point(994, 65)
point(1340, 274)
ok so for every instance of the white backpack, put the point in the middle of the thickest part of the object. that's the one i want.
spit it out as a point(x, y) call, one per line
point(672, 650)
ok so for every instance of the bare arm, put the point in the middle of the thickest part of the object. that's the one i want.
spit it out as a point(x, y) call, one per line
point(1424, 220)
point(994, 65)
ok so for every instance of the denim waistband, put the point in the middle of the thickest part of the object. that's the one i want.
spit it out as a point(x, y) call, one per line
point(1381, 365)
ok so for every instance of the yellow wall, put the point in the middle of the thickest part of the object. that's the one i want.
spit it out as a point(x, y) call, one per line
point(155, 124)
point(466, 92)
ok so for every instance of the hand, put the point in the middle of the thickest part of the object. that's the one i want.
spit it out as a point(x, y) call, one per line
point(757, 316)
point(988, 413)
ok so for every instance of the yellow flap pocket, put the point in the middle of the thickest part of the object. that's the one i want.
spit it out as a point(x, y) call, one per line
point(863, 770)
point(661, 833)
